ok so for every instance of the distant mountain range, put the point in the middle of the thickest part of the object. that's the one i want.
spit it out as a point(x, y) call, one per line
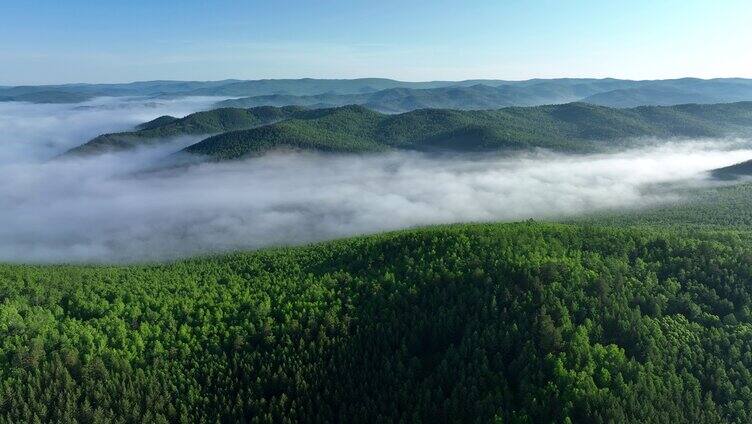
point(392, 96)
point(573, 127)
point(396, 100)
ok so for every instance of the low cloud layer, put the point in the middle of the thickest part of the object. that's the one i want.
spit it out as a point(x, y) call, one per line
point(105, 208)
point(32, 132)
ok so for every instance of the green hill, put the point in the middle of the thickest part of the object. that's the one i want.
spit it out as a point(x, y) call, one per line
point(466, 323)
point(199, 123)
point(575, 127)
point(157, 122)
point(743, 169)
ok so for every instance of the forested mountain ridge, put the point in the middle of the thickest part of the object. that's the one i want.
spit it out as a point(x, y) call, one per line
point(621, 94)
point(400, 96)
point(397, 100)
point(574, 127)
point(199, 123)
point(289, 87)
point(466, 323)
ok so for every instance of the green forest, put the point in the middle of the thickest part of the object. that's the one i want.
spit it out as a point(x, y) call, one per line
point(198, 123)
point(516, 323)
point(572, 127)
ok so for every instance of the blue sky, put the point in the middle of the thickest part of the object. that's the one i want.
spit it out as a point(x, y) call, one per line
point(117, 41)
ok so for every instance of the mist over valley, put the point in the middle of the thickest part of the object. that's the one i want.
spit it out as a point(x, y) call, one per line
point(142, 204)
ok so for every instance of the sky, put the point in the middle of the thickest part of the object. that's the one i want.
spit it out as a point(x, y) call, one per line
point(48, 42)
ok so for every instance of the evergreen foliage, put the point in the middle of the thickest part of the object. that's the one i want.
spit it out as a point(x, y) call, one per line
point(199, 123)
point(516, 323)
point(572, 127)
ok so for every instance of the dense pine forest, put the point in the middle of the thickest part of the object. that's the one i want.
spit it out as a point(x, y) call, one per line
point(518, 323)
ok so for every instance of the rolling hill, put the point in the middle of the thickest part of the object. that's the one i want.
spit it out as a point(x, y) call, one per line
point(199, 123)
point(467, 323)
point(612, 93)
point(157, 122)
point(575, 127)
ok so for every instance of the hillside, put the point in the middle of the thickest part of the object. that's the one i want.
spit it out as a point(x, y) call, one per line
point(157, 122)
point(575, 127)
point(743, 169)
point(717, 208)
point(467, 323)
point(199, 123)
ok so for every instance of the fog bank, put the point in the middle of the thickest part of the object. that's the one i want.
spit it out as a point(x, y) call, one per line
point(98, 210)
point(32, 132)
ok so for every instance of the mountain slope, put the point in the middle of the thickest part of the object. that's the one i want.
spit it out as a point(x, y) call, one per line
point(199, 123)
point(738, 170)
point(569, 127)
point(467, 323)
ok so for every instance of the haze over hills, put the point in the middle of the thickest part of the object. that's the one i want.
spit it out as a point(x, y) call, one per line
point(399, 96)
point(670, 92)
point(464, 95)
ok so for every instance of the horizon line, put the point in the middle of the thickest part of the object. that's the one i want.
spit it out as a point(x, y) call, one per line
point(11, 85)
